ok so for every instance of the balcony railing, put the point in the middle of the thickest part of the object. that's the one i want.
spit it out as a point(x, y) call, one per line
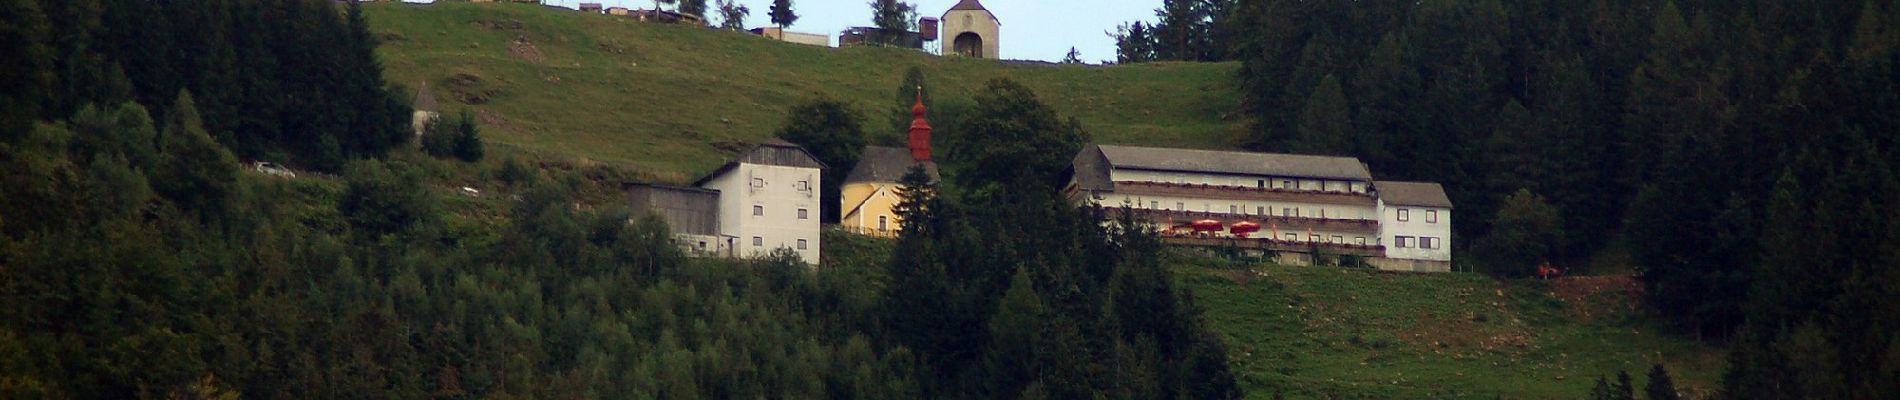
point(867, 231)
point(1267, 222)
point(1289, 246)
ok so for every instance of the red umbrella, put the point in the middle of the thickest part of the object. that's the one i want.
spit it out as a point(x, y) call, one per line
point(1206, 225)
point(1243, 228)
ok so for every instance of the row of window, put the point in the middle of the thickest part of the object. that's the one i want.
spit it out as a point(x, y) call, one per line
point(802, 186)
point(1420, 242)
point(1431, 216)
point(1335, 239)
point(758, 241)
point(1258, 183)
point(1257, 210)
point(759, 211)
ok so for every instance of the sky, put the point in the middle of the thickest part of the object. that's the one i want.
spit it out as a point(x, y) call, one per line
point(1032, 29)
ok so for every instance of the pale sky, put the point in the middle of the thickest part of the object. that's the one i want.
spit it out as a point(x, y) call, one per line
point(1032, 29)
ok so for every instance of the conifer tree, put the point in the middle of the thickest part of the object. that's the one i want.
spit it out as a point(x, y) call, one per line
point(892, 18)
point(782, 13)
point(26, 75)
point(194, 170)
point(1326, 122)
point(1660, 386)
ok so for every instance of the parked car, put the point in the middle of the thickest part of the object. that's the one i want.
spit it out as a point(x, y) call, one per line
point(272, 169)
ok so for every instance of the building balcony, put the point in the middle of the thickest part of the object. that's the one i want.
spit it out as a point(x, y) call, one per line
point(1224, 192)
point(1167, 218)
point(1286, 246)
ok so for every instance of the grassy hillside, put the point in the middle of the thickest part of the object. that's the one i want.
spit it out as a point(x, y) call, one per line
point(1331, 333)
point(674, 100)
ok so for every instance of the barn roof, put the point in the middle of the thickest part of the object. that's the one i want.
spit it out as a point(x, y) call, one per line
point(1422, 194)
point(1235, 163)
point(771, 152)
point(886, 164)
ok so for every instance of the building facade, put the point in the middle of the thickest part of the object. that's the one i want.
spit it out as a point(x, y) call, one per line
point(972, 31)
point(692, 213)
point(763, 201)
point(1293, 205)
point(869, 194)
point(1415, 222)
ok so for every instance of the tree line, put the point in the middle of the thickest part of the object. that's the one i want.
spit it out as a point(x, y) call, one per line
point(1741, 153)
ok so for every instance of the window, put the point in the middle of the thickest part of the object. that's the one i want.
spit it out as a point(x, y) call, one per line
point(1286, 184)
point(801, 214)
point(804, 186)
point(1260, 183)
point(1260, 211)
point(801, 244)
point(1180, 206)
point(1405, 215)
point(758, 241)
point(1359, 240)
point(758, 211)
point(702, 246)
point(758, 182)
point(1312, 237)
point(1428, 242)
point(882, 222)
point(1338, 239)
point(1286, 211)
point(1233, 209)
point(1406, 242)
point(1291, 237)
point(1431, 216)
point(1154, 205)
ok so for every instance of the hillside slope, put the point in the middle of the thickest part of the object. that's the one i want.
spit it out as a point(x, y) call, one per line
point(674, 100)
point(1321, 332)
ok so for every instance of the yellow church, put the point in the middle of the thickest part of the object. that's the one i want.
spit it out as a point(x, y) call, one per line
point(869, 194)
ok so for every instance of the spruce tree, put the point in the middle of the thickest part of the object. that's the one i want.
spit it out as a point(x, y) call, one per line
point(26, 75)
point(1660, 386)
point(194, 170)
point(831, 132)
point(1326, 122)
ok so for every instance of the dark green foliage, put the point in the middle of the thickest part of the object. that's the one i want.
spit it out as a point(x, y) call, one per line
point(386, 198)
point(468, 139)
point(782, 13)
point(1621, 389)
point(1525, 234)
point(1660, 386)
point(692, 7)
point(892, 17)
point(26, 73)
point(194, 170)
point(908, 95)
point(1326, 124)
point(831, 132)
point(732, 15)
point(1134, 43)
point(1013, 140)
point(1006, 290)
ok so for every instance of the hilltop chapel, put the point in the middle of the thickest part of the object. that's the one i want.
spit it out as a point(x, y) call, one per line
point(869, 194)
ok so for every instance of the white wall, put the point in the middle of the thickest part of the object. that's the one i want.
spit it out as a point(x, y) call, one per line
point(1287, 183)
point(1243, 207)
point(1419, 225)
point(780, 198)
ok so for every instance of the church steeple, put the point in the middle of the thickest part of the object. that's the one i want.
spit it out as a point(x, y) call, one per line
point(919, 130)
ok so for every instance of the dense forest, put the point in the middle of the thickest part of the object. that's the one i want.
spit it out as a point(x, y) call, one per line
point(1741, 153)
point(139, 259)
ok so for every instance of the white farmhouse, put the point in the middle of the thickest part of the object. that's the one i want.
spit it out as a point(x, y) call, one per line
point(1414, 225)
point(768, 200)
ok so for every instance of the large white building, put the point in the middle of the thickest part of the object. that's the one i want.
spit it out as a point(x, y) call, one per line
point(1290, 204)
point(764, 200)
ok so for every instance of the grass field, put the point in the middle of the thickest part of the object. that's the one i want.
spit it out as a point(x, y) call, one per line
point(674, 101)
point(1314, 332)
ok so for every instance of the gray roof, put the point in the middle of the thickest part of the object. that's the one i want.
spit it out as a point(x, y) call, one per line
point(1090, 170)
point(1235, 163)
point(772, 152)
point(1422, 194)
point(886, 164)
point(426, 101)
point(968, 5)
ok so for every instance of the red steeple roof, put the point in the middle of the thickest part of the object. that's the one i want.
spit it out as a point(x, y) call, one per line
point(919, 130)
